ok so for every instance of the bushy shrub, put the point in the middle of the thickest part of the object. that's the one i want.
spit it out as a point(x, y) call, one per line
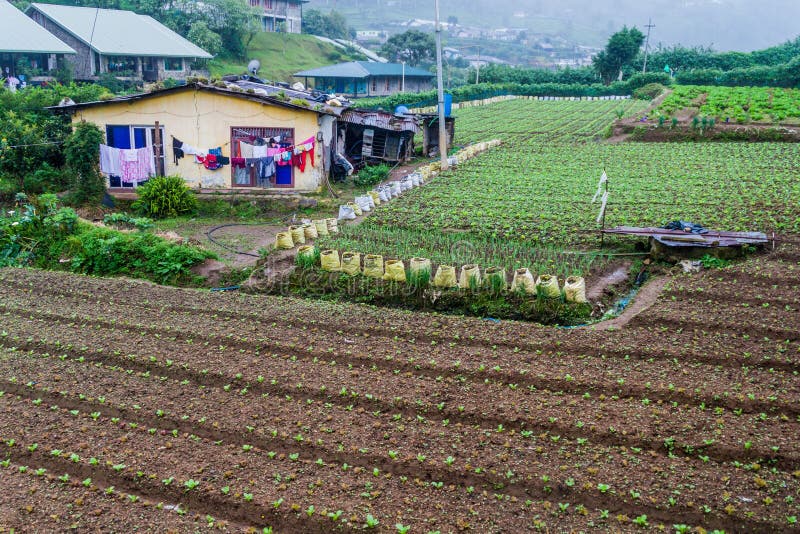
point(649, 91)
point(124, 221)
point(40, 234)
point(103, 251)
point(82, 151)
point(46, 180)
point(372, 175)
point(165, 196)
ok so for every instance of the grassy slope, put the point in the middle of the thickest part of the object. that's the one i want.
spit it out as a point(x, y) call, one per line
point(281, 55)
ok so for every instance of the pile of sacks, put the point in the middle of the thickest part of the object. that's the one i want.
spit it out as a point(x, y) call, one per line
point(379, 195)
point(297, 235)
point(420, 272)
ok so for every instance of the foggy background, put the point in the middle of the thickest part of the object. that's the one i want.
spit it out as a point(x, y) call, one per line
point(742, 25)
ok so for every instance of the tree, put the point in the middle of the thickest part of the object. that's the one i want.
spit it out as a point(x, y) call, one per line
point(413, 47)
point(204, 37)
point(333, 25)
point(82, 151)
point(620, 52)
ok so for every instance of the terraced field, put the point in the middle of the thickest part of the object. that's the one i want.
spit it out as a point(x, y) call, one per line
point(528, 203)
point(186, 410)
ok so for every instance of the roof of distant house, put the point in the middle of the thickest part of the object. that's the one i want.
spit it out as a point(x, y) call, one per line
point(116, 32)
point(364, 69)
point(20, 35)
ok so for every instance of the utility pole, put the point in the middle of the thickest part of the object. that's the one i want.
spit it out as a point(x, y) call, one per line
point(440, 88)
point(649, 27)
point(478, 67)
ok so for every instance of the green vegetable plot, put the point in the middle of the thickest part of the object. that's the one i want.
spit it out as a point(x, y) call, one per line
point(739, 104)
point(528, 202)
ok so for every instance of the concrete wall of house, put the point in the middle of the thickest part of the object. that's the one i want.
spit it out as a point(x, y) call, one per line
point(389, 85)
point(206, 123)
point(283, 13)
point(82, 64)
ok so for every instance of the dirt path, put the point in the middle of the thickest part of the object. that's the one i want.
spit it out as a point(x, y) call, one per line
point(646, 297)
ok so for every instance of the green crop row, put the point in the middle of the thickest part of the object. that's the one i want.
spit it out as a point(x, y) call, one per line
point(527, 203)
point(736, 104)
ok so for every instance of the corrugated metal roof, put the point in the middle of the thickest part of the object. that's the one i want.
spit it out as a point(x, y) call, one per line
point(20, 35)
point(120, 33)
point(381, 119)
point(363, 69)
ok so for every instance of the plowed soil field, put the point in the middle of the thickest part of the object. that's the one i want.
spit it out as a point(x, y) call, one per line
point(127, 406)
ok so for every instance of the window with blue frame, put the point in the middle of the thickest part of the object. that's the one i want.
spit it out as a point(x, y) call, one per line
point(125, 136)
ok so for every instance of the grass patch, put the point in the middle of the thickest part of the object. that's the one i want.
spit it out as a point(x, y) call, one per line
point(281, 55)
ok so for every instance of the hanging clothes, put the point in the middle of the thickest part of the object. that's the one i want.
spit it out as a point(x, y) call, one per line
point(238, 162)
point(241, 175)
point(209, 161)
point(177, 151)
point(136, 164)
point(266, 170)
point(246, 150)
point(110, 160)
point(188, 149)
point(299, 161)
point(260, 151)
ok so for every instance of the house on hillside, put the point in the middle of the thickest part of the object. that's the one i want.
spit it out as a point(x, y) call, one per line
point(365, 78)
point(26, 49)
point(280, 15)
point(120, 42)
point(242, 124)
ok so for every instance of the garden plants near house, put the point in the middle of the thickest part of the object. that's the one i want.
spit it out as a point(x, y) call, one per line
point(165, 196)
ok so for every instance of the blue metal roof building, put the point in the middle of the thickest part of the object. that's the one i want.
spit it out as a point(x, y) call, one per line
point(367, 78)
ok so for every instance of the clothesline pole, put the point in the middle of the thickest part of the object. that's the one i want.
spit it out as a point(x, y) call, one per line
point(603, 222)
point(157, 147)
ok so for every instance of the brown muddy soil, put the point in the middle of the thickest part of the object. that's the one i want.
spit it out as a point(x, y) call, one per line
point(317, 417)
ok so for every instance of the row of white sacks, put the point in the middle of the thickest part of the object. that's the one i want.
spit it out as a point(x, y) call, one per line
point(502, 98)
point(470, 277)
point(381, 194)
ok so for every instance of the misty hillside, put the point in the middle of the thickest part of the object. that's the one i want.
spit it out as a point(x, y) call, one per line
point(725, 24)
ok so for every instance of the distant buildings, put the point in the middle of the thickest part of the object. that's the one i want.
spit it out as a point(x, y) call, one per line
point(27, 49)
point(366, 78)
point(131, 46)
point(280, 15)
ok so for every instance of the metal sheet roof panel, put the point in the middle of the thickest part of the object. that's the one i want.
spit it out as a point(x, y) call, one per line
point(21, 35)
point(364, 69)
point(120, 33)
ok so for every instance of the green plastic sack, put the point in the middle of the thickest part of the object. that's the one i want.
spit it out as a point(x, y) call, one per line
point(373, 266)
point(307, 253)
point(298, 235)
point(575, 289)
point(330, 260)
point(547, 286)
point(322, 227)
point(420, 271)
point(445, 277)
point(523, 282)
point(333, 225)
point(284, 241)
point(495, 279)
point(470, 274)
point(394, 270)
point(356, 209)
point(351, 263)
point(310, 231)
